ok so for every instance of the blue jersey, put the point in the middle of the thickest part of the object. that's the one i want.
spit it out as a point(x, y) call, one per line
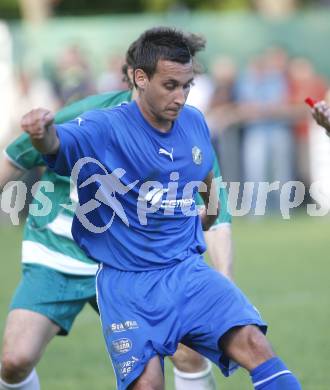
point(136, 185)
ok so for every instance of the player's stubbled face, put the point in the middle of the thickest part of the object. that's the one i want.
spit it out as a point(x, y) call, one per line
point(167, 90)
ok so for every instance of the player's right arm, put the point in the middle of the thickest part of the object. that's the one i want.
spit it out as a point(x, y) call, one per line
point(321, 114)
point(38, 124)
point(62, 146)
point(23, 146)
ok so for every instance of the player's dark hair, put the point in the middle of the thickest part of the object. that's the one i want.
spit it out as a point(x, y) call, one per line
point(161, 43)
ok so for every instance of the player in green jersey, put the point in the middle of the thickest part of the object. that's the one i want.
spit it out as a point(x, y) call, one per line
point(58, 278)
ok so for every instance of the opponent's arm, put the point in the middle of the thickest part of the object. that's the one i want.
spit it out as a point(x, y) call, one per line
point(220, 248)
point(321, 114)
point(9, 172)
point(212, 206)
point(219, 237)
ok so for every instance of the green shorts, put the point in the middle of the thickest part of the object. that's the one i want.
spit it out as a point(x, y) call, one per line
point(58, 296)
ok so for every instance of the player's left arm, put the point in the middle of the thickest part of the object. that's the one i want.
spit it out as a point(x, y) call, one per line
point(210, 212)
point(219, 237)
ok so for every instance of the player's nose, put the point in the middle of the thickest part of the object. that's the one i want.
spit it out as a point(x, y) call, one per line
point(180, 97)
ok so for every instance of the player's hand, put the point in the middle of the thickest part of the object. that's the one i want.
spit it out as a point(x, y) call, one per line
point(321, 114)
point(36, 123)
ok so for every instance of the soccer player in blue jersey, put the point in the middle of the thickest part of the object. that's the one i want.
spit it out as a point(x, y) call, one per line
point(137, 168)
point(191, 370)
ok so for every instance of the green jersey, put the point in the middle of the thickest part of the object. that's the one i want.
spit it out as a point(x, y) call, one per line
point(47, 239)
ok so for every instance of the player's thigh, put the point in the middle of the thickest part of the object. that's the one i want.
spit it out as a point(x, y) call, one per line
point(152, 377)
point(26, 335)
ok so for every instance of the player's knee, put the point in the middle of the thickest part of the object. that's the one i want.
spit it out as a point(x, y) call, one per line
point(257, 343)
point(187, 360)
point(15, 367)
point(247, 345)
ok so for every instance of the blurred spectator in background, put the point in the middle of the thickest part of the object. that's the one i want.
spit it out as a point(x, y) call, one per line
point(31, 90)
point(212, 94)
point(268, 147)
point(223, 118)
point(72, 79)
point(201, 92)
point(111, 79)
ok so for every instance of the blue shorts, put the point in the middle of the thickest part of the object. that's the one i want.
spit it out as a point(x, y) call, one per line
point(145, 314)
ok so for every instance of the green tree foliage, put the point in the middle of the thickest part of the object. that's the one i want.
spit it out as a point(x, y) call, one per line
point(10, 8)
point(115, 6)
point(165, 5)
point(87, 7)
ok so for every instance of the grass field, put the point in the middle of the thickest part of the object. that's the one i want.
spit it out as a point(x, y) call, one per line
point(284, 268)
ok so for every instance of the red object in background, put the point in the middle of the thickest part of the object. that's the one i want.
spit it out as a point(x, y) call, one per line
point(311, 102)
point(299, 88)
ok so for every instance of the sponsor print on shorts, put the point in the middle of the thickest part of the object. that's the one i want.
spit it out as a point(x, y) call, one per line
point(117, 327)
point(121, 346)
point(126, 367)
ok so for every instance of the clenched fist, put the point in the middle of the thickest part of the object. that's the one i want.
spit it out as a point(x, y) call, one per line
point(36, 122)
point(321, 113)
point(39, 124)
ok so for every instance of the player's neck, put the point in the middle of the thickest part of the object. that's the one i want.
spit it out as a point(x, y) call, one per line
point(135, 94)
point(155, 121)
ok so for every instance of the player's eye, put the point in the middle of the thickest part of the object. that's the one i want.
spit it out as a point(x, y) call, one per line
point(170, 86)
point(188, 85)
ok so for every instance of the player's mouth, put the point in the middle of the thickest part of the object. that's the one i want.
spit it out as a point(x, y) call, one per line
point(174, 111)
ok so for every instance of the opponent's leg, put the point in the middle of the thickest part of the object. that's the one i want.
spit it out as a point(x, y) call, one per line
point(249, 347)
point(26, 335)
point(192, 371)
point(30, 383)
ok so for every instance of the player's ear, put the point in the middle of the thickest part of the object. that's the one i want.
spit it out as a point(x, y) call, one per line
point(141, 78)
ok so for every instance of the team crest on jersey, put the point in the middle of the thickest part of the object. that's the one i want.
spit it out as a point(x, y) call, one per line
point(197, 155)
